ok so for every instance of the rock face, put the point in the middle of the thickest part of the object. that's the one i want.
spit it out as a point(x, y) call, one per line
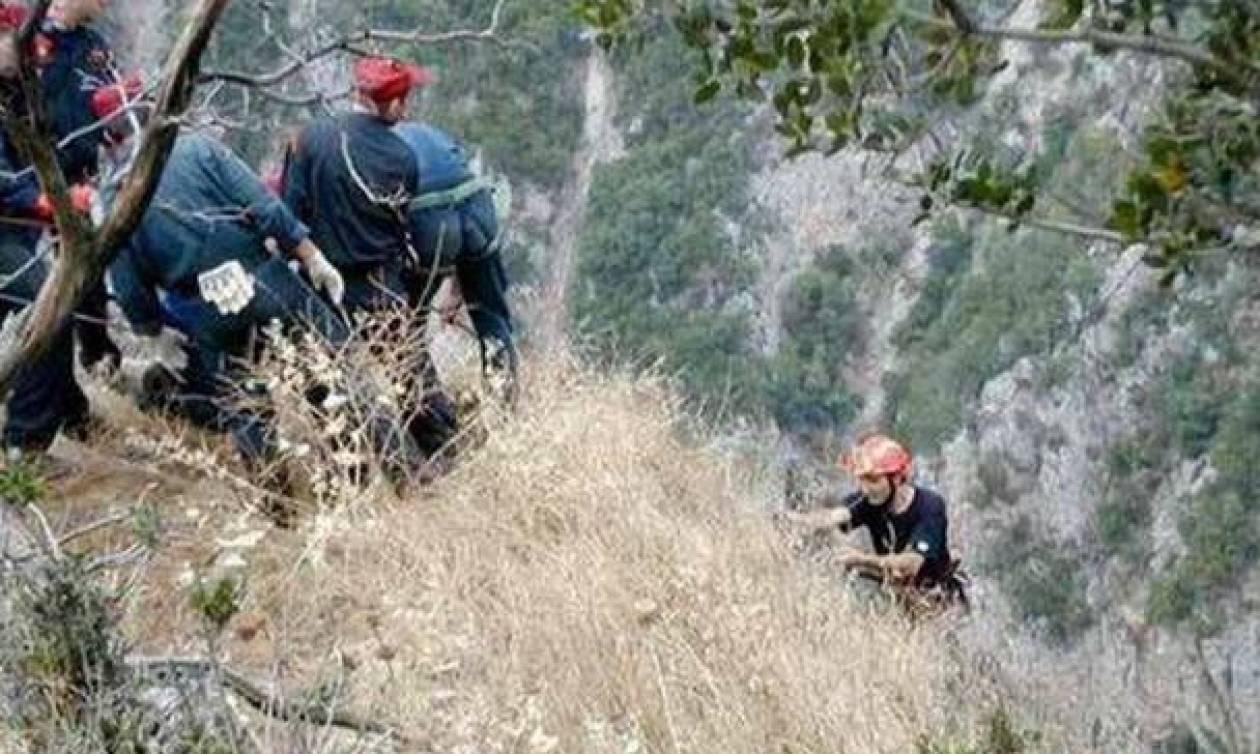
point(1031, 447)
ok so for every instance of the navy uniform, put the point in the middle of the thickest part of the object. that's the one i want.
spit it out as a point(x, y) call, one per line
point(210, 217)
point(454, 230)
point(73, 63)
point(351, 178)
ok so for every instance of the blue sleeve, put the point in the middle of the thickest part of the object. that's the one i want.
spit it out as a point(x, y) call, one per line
point(296, 190)
point(245, 189)
point(135, 292)
point(19, 188)
point(483, 282)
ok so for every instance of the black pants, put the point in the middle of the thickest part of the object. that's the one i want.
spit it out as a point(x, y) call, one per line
point(45, 397)
point(431, 423)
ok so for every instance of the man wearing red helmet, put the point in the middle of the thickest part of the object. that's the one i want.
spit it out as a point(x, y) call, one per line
point(349, 178)
point(908, 525)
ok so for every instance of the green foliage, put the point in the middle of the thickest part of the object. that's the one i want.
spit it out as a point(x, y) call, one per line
point(1044, 580)
point(865, 73)
point(217, 599)
point(1123, 516)
point(969, 328)
point(21, 484)
point(1001, 736)
point(822, 327)
point(1189, 399)
point(1220, 528)
point(658, 275)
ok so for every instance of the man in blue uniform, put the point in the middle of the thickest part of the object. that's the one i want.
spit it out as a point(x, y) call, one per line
point(73, 60)
point(454, 231)
point(198, 262)
point(351, 179)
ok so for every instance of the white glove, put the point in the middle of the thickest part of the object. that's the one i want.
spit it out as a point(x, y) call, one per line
point(229, 287)
point(324, 277)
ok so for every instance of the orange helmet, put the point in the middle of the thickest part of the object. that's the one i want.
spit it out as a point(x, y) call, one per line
point(877, 454)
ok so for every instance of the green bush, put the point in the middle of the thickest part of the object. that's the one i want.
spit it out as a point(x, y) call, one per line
point(976, 325)
point(822, 328)
point(1220, 528)
point(1044, 580)
point(658, 276)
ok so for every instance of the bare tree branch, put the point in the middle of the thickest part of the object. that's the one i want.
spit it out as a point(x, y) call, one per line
point(268, 703)
point(416, 36)
point(1148, 44)
point(349, 43)
point(1058, 226)
point(84, 255)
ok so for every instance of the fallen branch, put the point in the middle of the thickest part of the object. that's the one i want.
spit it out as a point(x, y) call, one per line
point(1147, 44)
point(268, 703)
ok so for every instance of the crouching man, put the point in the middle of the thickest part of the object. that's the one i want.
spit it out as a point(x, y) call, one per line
point(198, 264)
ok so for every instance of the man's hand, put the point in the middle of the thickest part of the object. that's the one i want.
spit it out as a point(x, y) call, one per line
point(819, 518)
point(323, 275)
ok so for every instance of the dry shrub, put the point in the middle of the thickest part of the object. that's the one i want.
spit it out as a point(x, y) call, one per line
point(592, 579)
point(342, 413)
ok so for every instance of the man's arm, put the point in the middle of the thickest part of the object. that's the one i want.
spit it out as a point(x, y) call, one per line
point(246, 189)
point(900, 568)
point(821, 518)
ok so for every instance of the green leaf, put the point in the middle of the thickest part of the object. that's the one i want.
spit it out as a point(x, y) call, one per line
point(796, 52)
point(707, 91)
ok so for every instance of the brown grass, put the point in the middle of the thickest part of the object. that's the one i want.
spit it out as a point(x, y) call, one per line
point(589, 580)
point(599, 575)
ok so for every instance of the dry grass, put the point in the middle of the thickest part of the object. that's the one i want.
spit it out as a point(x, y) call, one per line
point(589, 580)
point(597, 576)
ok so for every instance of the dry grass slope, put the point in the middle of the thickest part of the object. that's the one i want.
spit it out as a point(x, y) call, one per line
point(588, 580)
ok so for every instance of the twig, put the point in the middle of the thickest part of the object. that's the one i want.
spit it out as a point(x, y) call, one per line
point(95, 526)
point(271, 704)
point(1148, 44)
point(350, 43)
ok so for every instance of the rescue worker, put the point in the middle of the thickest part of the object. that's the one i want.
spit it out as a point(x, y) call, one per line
point(198, 263)
point(907, 524)
point(454, 232)
point(350, 177)
point(74, 60)
point(46, 398)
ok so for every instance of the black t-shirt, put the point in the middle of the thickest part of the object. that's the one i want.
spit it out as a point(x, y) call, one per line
point(921, 528)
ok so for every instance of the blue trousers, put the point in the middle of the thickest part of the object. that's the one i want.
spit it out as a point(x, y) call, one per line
point(45, 397)
point(463, 237)
point(220, 346)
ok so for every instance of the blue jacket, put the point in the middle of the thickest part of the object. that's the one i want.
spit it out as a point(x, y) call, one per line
point(443, 162)
point(19, 189)
point(355, 232)
point(209, 208)
point(75, 62)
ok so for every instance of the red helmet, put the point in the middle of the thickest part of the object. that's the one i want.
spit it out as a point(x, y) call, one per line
point(877, 454)
point(111, 98)
point(12, 16)
point(385, 79)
